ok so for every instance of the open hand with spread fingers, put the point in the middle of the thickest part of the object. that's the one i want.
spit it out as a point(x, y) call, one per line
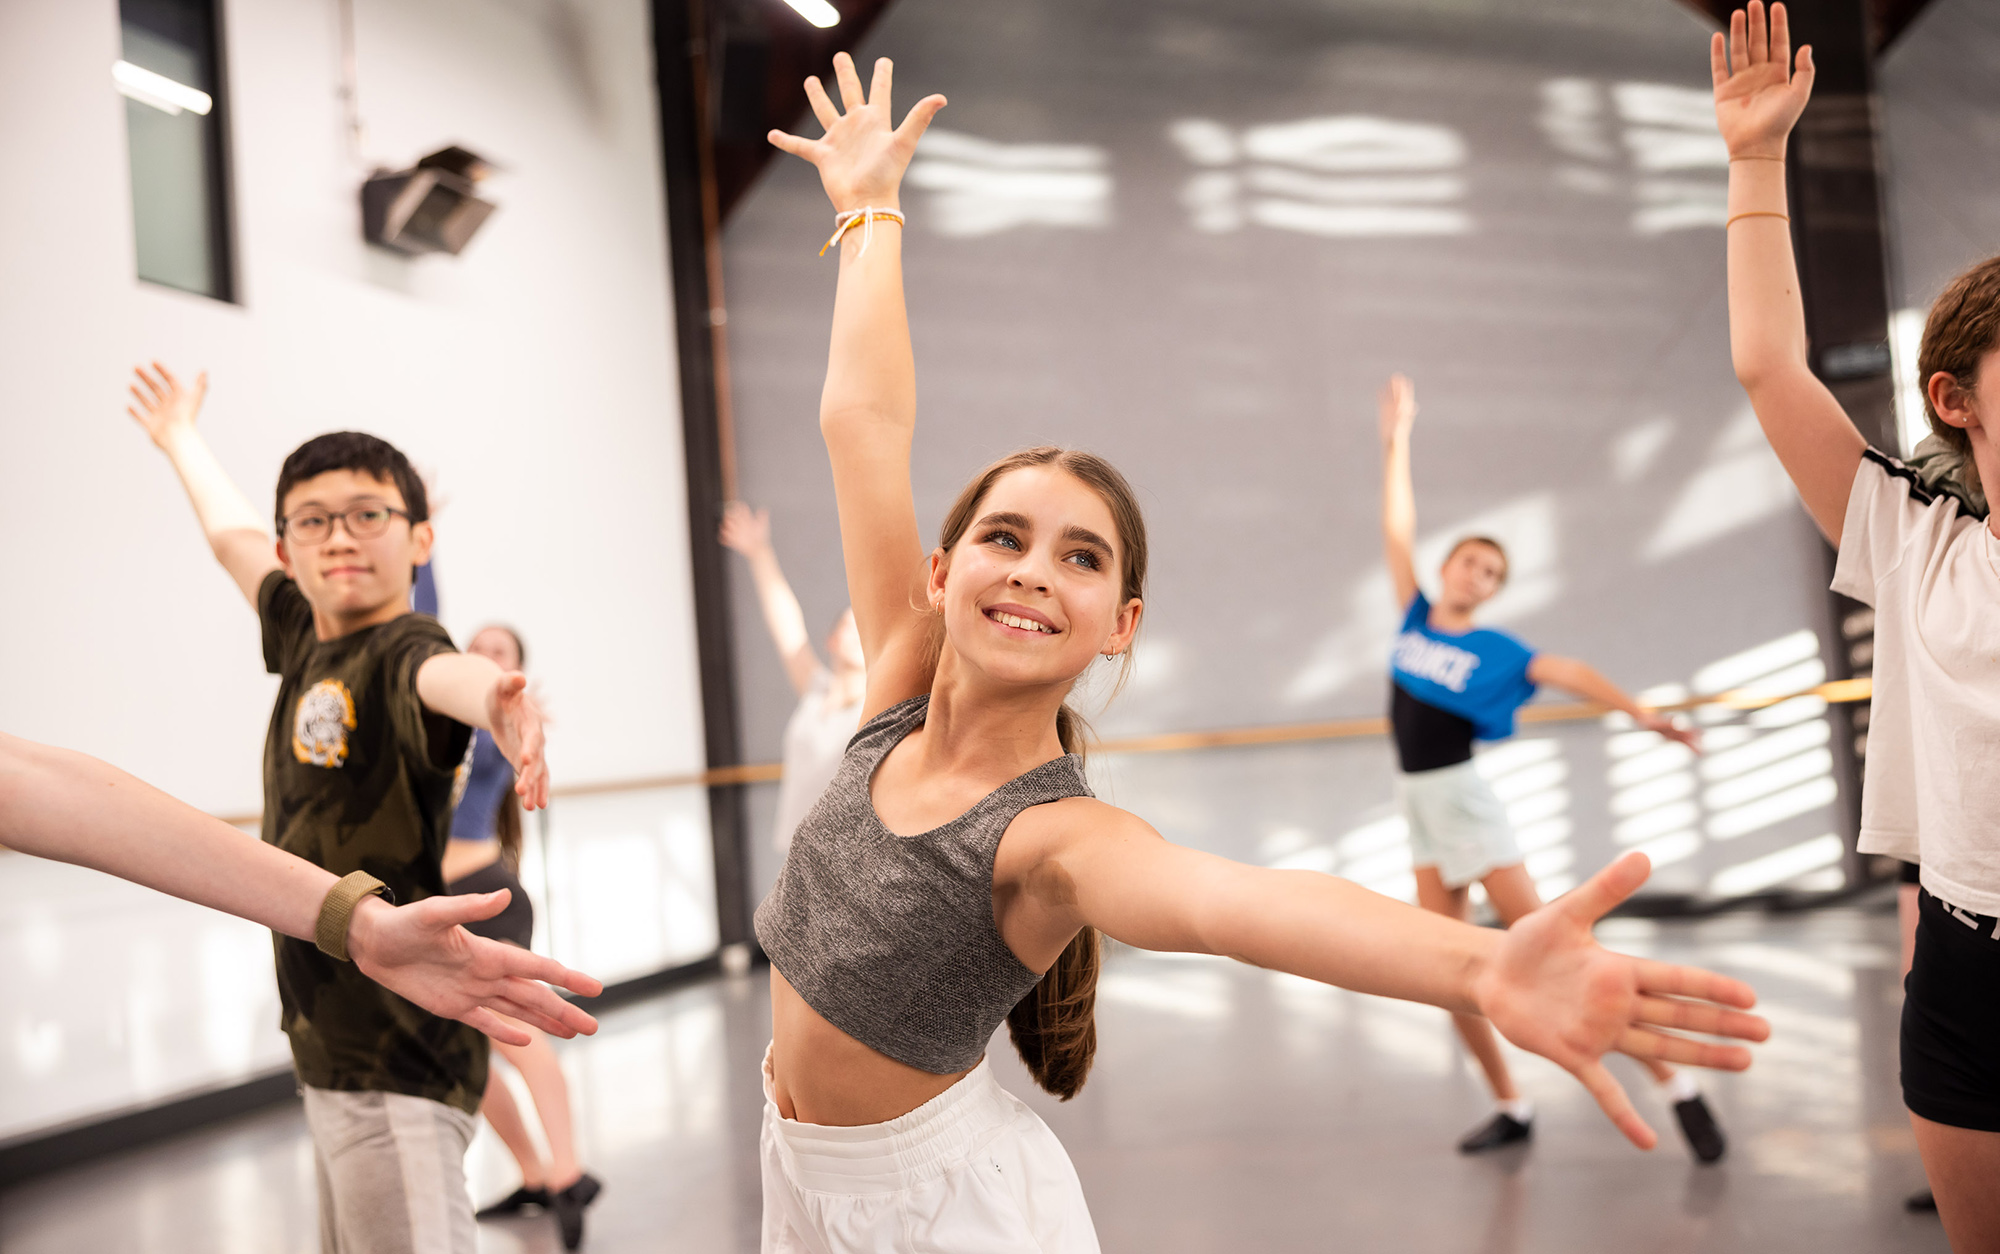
point(163, 405)
point(1552, 989)
point(1759, 89)
point(420, 952)
point(862, 156)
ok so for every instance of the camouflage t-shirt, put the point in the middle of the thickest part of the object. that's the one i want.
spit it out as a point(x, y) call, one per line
point(358, 777)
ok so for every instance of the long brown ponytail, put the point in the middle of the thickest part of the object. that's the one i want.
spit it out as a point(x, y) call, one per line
point(1055, 1026)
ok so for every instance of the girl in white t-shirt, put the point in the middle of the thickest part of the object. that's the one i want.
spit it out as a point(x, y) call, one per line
point(829, 708)
point(1932, 573)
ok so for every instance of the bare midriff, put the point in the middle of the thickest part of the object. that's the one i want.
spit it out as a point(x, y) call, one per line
point(822, 1075)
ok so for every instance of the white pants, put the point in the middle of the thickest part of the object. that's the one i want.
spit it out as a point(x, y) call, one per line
point(391, 1173)
point(972, 1171)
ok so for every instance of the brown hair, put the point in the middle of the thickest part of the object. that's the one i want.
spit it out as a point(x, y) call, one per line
point(1505, 565)
point(1055, 1026)
point(1963, 327)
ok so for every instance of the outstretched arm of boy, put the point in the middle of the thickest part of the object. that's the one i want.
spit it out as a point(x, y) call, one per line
point(1586, 681)
point(1758, 98)
point(71, 808)
point(235, 530)
point(1398, 412)
point(868, 409)
point(748, 531)
point(1545, 983)
point(473, 690)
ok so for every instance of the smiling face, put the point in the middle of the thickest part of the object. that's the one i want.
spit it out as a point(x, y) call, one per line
point(351, 581)
point(1473, 572)
point(1035, 588)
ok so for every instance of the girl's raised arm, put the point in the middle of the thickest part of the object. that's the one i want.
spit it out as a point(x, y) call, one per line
point(1757, 101)
point(868, 409)
point(1398, 405)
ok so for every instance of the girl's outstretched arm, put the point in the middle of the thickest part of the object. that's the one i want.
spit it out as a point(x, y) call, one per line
point(71, 808)
point(1758, 98)
point(1398, 411)
point(748, 531)
point(1586, 681)
point(1546, 983)
point(868, 409)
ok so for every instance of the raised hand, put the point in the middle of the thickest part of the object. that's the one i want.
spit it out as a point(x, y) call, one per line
point(516, 719)
point(744, 529)
point(862, 156)
point(420, 952)
point(1397, 407)
point(165, 408)
point(1553, 990)
point(1758, 93)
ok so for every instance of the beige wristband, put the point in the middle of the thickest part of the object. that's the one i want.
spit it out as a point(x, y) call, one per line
point(338, 909)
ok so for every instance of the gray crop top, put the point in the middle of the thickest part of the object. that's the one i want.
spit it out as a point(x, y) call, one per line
point(891, 938)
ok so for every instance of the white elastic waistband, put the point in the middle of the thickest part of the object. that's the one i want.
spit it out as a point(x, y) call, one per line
point(898, 1154)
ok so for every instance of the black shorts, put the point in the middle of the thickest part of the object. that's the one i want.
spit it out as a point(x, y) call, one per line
point(1911, 874)
point(1951, 1019)
point(515, 924)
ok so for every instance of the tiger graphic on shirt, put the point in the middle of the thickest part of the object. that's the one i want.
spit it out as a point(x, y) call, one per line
point(320, 725)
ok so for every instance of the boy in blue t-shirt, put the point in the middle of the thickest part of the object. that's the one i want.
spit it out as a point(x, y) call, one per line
point(1454, 683)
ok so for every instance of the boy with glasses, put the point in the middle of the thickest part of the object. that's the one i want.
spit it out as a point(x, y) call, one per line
point(374, 712)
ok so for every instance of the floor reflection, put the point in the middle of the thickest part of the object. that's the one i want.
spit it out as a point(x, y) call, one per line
point(1231, 1109)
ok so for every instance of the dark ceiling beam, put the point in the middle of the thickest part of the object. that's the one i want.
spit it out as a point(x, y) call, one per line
point(762, 52)
point(1886, 19)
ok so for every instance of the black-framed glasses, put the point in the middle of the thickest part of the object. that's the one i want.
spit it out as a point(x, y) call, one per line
point(363, 522)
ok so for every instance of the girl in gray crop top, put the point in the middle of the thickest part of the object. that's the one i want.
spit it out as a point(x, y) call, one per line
point(958, 871)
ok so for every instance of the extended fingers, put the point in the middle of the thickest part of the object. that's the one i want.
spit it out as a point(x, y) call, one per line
point(1671, 980)
point(1781, 36)
point(521, 964)
point(821, 106)
point(919, 118)
point(1598, 894)
point(850, 82)
point(1718, 59)
point(878, 89)
point(494, 1026)
point(1760, 37)
point(1616, 1105)
point(1739, 43)
point(1645, 1043)
point(455, 908)
point(1694, 1016)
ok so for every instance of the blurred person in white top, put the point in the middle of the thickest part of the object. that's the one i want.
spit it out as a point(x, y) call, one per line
point(829, 709)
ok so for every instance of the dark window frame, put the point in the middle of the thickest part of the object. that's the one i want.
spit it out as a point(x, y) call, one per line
point(211, 48)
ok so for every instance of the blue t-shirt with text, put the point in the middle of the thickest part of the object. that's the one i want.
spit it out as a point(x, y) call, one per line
point(1481, 676)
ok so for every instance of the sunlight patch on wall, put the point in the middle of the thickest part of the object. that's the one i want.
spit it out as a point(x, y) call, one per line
point(1743, 483)
point(979, 187)
point(1350, 176)
point(1667, 158)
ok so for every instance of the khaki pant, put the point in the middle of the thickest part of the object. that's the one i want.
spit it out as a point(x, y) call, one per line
point(391, 1173)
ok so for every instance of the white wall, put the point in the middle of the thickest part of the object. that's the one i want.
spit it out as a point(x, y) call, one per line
point(532, 378)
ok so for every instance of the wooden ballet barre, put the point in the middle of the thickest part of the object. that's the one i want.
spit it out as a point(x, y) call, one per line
point(1836, 692)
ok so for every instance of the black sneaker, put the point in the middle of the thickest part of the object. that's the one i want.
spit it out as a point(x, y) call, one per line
point(515, 1202)
point(1501, 1129)
point(568, 1206)
point(1922, 1202)
point(1704, 1135)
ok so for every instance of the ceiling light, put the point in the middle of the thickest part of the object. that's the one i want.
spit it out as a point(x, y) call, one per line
point(818, 12)
point(159, 91)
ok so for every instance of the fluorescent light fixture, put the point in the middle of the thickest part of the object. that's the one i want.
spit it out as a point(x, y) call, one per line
point(818, 12)
point(161, 92)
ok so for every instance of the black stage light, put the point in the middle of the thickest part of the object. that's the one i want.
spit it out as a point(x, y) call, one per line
point(429, 208)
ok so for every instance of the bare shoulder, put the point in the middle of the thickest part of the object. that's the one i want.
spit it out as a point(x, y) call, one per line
point(1059, 828)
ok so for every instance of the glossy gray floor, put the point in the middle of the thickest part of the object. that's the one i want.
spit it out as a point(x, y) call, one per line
point(1231, 1109)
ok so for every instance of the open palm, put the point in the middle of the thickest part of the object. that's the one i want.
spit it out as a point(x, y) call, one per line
point(862, 156)
point(1553, 990)
point(516, 719)
point(1758, 98)
point(166, 406)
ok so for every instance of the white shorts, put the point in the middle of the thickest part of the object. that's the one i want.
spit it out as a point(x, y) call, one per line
point(1456, 823)
point(972, 1171)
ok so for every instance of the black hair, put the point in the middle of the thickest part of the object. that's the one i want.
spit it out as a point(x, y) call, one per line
point(362, 453)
